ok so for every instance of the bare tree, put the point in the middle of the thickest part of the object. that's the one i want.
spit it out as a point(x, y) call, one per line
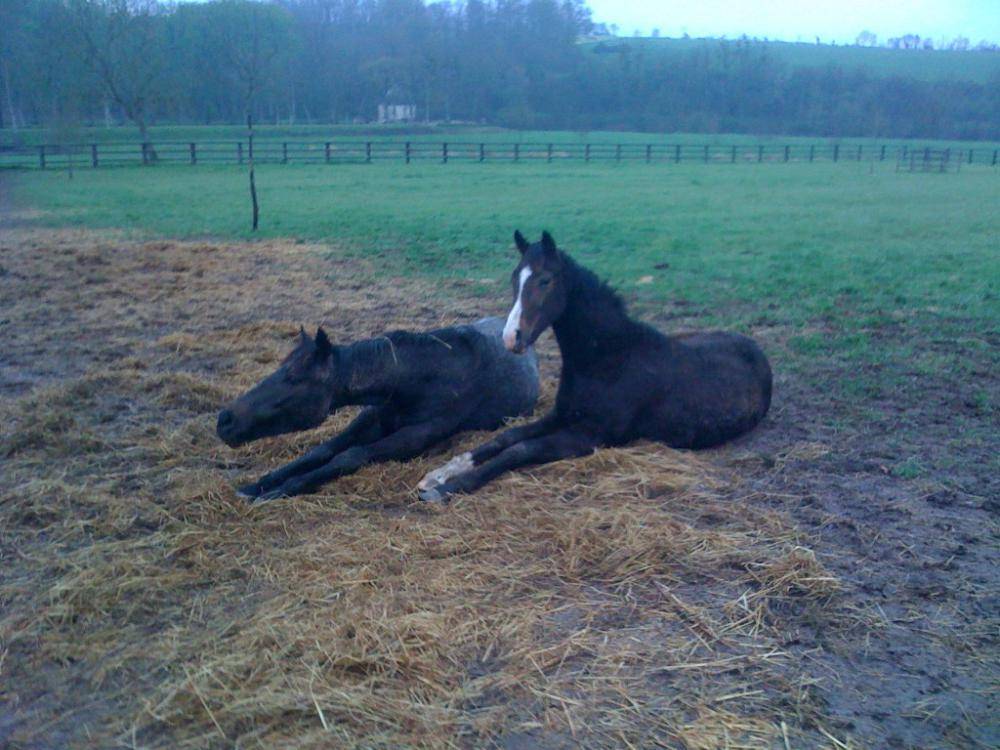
point(122, 42)
point(247, 38)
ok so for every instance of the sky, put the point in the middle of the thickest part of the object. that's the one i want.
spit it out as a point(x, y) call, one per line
point(803, 20)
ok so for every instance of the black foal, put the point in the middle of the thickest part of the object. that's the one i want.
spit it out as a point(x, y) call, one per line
point(622, 380)
point(419, 389)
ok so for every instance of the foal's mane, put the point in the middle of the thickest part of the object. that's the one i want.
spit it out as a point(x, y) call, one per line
point(586, 283)
point(397, 342)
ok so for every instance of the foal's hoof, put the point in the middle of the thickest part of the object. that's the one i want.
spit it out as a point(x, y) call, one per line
point(457, 465)
point(249, 491)
point(431, 495)
point(266, 497)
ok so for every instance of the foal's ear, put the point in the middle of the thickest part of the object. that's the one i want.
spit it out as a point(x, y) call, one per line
point(303, 336)
point(323, 345)
point(522, 244)
point(548, 244)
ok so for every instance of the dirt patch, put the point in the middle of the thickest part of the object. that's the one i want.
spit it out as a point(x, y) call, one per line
point(756, 596)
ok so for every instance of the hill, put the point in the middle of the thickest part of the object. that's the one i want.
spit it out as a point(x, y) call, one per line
point(977, 66)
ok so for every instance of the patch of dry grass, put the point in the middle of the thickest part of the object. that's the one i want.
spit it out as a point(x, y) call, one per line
point(616, 600)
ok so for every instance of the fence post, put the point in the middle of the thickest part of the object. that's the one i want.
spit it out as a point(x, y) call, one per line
point(706, 153)
point(444, 153)
point(970, 156)
point(145, 153)
point(548, 153)
point(677, 154)
point(326, 152)
point(406, 150)
point(859, 151)
point(812, 153)
point(250, 147)
point(193, 150)
point(732, 157)
point(881, 154)
point(618, 152)
point(760, 154)
point(368, 152)
point(239, 151)
point(284, 153)
point(517, 151)
point(787, 149)
point(649, 152)
point(482, 152)
point(586, 152)
point(93, 155)
point(41, 157)
point(836, 151)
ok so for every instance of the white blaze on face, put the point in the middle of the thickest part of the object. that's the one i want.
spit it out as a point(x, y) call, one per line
point(514, 319)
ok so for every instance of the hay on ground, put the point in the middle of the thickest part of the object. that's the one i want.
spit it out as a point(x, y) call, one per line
point(616, 600)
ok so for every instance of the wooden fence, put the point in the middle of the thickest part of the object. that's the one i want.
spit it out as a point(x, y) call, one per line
point(267, 151)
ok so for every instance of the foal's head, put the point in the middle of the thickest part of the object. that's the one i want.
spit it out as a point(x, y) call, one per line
point(539, 292)
point(297, 396)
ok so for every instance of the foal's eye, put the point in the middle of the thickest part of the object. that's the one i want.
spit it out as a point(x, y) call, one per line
point(542, 283)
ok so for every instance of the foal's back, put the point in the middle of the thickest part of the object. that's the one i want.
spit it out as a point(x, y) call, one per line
point(508, 382)
point(467, 368)
point(713, 387)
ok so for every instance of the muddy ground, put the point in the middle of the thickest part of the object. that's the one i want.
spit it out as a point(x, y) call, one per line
point(786, 591)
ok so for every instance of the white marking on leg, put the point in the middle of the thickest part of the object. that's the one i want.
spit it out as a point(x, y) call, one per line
point(458, 465)
point(430, 495)
point(514, 319)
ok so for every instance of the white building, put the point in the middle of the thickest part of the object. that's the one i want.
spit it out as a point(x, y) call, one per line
point(397, 113)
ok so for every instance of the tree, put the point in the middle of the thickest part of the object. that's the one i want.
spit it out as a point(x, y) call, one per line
point(866, 39)
point(517, 63)
point(245, 45)
point(123, 42)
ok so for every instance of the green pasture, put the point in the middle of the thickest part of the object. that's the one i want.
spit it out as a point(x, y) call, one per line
point(815, 240)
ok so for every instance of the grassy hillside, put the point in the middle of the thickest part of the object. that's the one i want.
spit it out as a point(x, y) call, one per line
point(928, 65)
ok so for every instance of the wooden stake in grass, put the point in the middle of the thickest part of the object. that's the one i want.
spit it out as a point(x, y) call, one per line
point(253, 184)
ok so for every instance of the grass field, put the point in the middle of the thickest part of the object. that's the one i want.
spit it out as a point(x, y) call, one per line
point(828, 581)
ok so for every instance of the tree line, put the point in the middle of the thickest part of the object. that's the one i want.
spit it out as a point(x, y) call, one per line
point(516, 63)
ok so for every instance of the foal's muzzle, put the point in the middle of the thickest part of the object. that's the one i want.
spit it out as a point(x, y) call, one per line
point(225, 426)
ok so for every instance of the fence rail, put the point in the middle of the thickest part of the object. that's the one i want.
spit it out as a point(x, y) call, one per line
point(269, 151)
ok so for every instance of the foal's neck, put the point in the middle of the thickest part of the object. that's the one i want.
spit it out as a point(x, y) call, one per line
point(594, 320)
point(371, 370)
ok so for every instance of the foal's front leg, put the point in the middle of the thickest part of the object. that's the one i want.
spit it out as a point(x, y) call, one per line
point(405, 443)
point(562, 443)
point(365, 428)
point(464, 462)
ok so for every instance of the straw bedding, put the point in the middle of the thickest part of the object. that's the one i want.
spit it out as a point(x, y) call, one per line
point(618, 600)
